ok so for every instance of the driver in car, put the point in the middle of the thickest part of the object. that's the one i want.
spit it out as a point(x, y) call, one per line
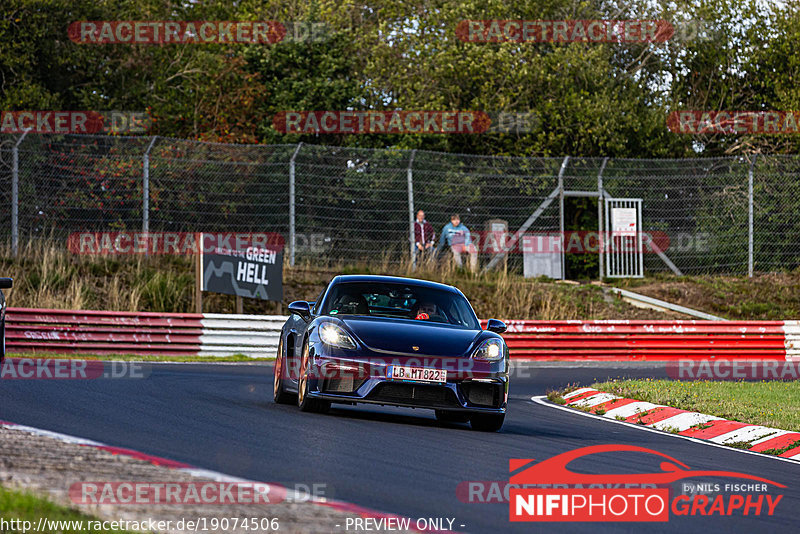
point(425, 310)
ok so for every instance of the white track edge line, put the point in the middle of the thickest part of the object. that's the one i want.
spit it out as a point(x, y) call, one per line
point(541, 400)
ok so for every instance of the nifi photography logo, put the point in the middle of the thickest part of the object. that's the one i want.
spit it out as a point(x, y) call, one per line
point(550, 491)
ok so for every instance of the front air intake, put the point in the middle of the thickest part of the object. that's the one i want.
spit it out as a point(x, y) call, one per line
point(345, 384)
point(483, 394)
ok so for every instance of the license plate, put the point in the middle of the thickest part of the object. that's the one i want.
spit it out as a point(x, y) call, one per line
point(416, 374)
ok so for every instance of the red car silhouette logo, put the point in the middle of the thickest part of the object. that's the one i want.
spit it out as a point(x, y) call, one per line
point(554, 470)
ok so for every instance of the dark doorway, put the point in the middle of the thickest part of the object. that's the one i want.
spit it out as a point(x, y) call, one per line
point(581, 239)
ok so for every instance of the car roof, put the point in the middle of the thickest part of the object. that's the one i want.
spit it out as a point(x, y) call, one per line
point(344, 278)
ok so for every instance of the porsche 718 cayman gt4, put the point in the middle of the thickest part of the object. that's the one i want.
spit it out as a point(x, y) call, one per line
point(394, 341)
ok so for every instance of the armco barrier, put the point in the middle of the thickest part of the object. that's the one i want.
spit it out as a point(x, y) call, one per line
point(653, 340)
point(211, 334)
point(253, 335)
point(173, 334)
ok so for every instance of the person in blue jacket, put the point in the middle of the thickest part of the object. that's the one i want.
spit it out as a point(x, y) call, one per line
point(456, 236)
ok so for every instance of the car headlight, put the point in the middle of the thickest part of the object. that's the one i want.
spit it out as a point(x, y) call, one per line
point(490, 350)
point(333, 335)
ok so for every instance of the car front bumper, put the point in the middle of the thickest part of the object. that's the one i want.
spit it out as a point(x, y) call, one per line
point(471, 385)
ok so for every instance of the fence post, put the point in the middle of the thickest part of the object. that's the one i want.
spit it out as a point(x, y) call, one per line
point(146, 187)
point(750, 216)
point(410, 176)
point(15, 194)
point(561, 215)
point(292, 236)
point(602, 237)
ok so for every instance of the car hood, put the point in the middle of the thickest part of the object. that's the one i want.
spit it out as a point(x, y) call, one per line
point(399, 336)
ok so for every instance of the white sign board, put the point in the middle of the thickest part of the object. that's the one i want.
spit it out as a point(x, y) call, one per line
point(541, 255)
point(623, 221)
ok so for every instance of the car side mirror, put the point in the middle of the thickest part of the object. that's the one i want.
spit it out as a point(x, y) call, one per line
point(496, 326)
point(6, 283)
point(301, 308)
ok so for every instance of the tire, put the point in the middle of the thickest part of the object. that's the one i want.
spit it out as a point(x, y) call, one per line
point(279, 395)
point(487, 422)
point(304, 402)
point(445, 416)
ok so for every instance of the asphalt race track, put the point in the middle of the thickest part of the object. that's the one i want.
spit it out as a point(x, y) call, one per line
point(221, 417)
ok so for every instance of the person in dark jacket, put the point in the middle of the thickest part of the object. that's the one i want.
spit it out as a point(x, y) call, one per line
point(424, 237)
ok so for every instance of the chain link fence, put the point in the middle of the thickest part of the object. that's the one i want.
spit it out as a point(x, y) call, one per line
point(338, 205)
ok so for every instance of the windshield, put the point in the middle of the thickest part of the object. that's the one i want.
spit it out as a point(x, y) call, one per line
point(404, 301)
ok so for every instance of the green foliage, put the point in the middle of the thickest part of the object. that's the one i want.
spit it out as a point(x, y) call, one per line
point(166, 291)
point(25, 506)
point(591, 99)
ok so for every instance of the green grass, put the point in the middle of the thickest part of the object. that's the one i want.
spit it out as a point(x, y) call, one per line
point(773, 404)
point(138, 358)
point(766, 296)
point(47, 275)
point(26, 507)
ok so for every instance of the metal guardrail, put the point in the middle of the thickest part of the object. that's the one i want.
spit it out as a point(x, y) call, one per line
point(214, 335)
point(653, 340)
point(256, 336)
point(169, 334)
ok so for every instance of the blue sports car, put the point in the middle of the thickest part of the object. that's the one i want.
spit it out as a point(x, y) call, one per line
point(393, 341)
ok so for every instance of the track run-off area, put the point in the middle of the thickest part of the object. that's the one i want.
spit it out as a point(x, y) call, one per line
point(221, 417)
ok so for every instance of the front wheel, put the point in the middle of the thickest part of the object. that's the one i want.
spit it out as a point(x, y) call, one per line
point(487, 422)
point(304, 402)
point(279, 395)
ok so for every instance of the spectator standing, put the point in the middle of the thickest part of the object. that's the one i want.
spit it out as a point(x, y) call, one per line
point(424, 237)
point(456, 236)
